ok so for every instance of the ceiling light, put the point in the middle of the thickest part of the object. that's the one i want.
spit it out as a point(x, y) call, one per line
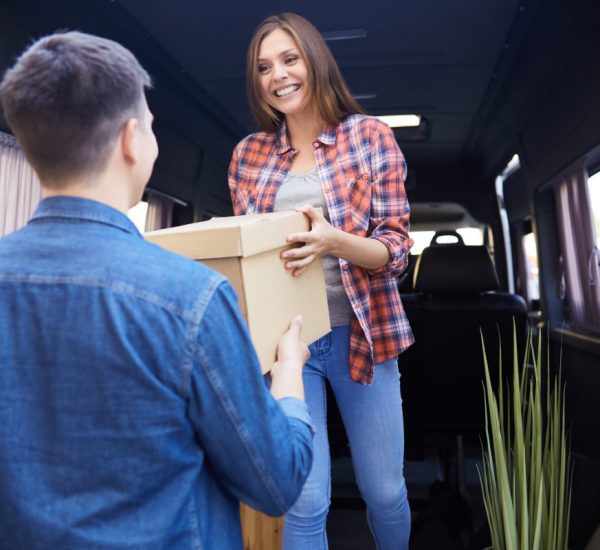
point(349, 34)
point(401, 121)
point(366, 95)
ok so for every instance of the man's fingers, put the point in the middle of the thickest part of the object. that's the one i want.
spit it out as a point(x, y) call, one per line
point(296, 329)
point(296, 324)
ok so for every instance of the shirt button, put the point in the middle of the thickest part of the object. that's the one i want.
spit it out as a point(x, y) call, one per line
point(365, 176)
point(345, 267)
point(316, 144)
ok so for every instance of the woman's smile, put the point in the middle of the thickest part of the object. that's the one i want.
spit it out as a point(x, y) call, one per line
point(288, 90)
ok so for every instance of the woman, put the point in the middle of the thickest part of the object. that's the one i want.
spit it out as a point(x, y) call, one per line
point(317, 149)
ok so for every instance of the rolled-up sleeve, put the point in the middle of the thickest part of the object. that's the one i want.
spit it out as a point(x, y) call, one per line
point(260, 449)
point(389, 220)
point(297, 409)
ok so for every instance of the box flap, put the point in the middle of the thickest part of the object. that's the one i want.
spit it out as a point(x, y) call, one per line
point(270, 231)
point(231, 236)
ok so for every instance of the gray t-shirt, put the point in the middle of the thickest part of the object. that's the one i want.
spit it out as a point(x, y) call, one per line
point(299, 189)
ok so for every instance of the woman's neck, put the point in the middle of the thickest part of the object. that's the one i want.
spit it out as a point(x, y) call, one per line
point(303, 129)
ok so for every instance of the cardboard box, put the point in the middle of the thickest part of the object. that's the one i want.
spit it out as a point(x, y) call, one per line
point(246, 249)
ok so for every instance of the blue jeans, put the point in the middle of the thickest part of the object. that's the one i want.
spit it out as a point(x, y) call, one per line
point(372, 417)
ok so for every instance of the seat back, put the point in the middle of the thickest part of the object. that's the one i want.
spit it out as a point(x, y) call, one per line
point(456, 299)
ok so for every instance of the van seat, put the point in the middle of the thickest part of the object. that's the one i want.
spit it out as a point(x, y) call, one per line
point(455, 269)
point(456, 295)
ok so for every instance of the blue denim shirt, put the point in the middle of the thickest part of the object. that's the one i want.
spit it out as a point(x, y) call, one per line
point(133, 412)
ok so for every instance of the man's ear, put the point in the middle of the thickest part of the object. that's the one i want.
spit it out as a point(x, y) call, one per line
point(129, 141)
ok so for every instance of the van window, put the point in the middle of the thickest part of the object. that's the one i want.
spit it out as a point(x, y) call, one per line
point(137, 215)
point(154, 211)
point(594, 191)
point(20, 190)
point(422, 239)
point(531, 267)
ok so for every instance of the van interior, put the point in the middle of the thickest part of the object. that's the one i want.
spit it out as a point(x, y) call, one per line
point(503, 180)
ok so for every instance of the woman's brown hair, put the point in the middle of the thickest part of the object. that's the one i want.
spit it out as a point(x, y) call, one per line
point(327, 88)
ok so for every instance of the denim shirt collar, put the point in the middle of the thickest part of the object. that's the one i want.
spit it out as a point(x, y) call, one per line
point(83, 209)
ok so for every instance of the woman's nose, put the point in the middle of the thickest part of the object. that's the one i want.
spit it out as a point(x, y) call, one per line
point(280, 72)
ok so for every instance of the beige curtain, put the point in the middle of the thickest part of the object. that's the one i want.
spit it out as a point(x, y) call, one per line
point(160, 211)
point(578, 247)
point(20, 190)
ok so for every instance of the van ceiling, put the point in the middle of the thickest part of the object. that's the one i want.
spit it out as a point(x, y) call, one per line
point(434, 58)
point(490, 77)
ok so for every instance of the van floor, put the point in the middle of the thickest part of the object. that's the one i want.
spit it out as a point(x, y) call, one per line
point(442, 517)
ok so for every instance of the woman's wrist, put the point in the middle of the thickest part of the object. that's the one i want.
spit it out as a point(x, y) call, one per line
point(337, 240)
point(361, 251)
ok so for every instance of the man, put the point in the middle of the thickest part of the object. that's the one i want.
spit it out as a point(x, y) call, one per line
point(132, 407)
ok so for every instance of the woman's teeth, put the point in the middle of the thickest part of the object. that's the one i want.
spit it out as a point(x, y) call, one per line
point(286, 91)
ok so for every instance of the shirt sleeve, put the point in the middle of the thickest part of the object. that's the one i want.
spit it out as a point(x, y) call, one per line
point(389, 221)
point(260, 449)
point(238, 199)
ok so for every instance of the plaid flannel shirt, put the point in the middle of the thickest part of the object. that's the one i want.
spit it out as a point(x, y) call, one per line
point(362, 173)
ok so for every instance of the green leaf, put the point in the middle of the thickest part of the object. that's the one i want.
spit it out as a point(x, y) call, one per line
point(526, 472)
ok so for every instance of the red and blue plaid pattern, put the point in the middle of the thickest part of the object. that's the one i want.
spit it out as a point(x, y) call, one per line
point(362, 173)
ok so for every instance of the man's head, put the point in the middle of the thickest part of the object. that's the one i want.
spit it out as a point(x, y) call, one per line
point(68, 98)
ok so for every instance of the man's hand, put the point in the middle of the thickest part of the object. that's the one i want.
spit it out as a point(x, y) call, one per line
point(292, 353)
point(291, 349)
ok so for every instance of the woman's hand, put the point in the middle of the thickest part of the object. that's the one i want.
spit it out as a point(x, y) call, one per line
point(321, 239)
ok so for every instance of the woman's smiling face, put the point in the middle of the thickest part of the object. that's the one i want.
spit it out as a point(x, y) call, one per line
point(282, 73)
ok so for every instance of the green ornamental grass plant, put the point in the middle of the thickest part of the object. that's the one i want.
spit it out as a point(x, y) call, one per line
point(526, 472)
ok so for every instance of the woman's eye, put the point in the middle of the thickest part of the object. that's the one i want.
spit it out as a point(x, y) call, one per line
point(262, 69)
point(291, 59)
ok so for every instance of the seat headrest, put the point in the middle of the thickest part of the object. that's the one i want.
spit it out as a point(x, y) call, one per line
point(455, 268)
point(446, 233)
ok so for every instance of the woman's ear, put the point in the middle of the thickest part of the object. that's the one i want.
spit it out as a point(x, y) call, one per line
point(129, 141)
